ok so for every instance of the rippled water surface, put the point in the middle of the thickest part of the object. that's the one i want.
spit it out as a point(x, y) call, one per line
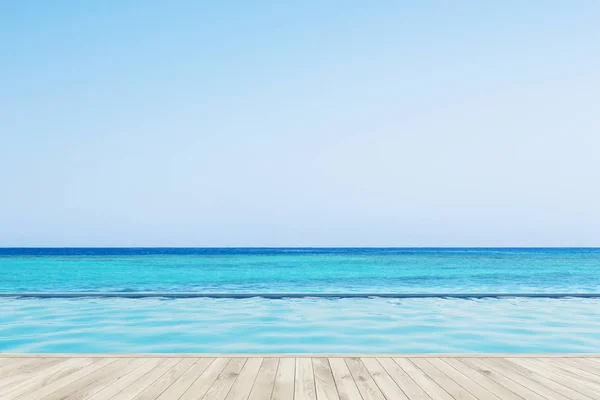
point(360, 325)
point(299, 325)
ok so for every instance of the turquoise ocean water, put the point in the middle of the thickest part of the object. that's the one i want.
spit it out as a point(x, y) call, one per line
point(361, 325)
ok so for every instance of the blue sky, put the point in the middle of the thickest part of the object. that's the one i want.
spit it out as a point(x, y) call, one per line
point(339, 123)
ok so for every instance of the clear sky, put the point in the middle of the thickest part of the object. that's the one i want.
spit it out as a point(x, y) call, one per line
point(306, 123)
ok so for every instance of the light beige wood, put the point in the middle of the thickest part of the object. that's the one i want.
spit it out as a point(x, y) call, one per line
point(570, 370)
point(384, 381)
point(74, 374)
point(549, 379)
point(449, 385)
point(225, 380)
point(265, 379)
point(409, 386)
point(116, 387)
point(284, 380)
point(291, 378)
point(17, 366)
point(324, 383)
point(304, 388)
point(137, 387)
point(575, 382)
point(166, 380)
point(509, 372)
point(483, 380)
point(593, 360)
point(365, 383)
point(466, 382)
point(183, 383)
point(24, 371)
point(423, 380)
point(199, 388)
point(515, 387)
point(243, 384)
point(96, 381)
point(582, 364)
point(46, 377)
point(344, 382)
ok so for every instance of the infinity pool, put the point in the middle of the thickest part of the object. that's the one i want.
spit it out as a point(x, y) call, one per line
point(304, 325)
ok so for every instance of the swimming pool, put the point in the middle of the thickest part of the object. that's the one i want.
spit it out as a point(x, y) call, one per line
point(299, 325)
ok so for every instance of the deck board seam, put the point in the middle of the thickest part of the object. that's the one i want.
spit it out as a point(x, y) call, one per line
point(580, 382)
point(564, 371)
point(274, 378)
point(332, 378)
point(194, 381)
point(156, 380)
point(519, 384)
point(376, 384)
point(234, 381)
point(174, 380)
point(476, 383)
point(459, 384)
point(430, 378)
point(549, 378)
point(499, 371)
point(133, 382)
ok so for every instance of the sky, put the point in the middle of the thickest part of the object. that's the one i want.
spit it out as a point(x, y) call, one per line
point(308, 123)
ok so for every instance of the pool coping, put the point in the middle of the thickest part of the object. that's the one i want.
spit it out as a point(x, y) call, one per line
point(298, 355)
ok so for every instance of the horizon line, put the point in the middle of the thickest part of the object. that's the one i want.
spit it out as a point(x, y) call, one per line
point(300, 247)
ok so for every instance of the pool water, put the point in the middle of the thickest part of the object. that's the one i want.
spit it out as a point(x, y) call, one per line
point(306, 325)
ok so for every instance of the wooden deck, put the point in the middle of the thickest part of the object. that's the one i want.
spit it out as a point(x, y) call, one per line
point(187, 377)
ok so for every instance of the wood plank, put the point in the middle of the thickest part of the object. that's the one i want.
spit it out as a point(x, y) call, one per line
point(117, 386)
point(430, 387)
point(301, 378)
point(580, 364)
point(39, 379)
point(244, 382)
point(344, 382)
point(448, 384)
point(225, 380)
point(166, 380)
point(570, 370)
point(509, 372)
point(185, 380)
point(364, 381)
point(265, 380)
point(145, 381)
point(483, 380)
point(199, 388)
point(324, 383)
point(384, 381)
point(556, 382)
point(575, 380)
point(515, 387)
point(24, 371)
point(96, 381)
point(77, 373)
point(463, 380)
point(405, 382)
point(26, 365)
point(592, 360)
point(284, 380)
point(305, 380)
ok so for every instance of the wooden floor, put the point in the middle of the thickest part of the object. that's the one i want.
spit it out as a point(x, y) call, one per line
point(303, 377)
